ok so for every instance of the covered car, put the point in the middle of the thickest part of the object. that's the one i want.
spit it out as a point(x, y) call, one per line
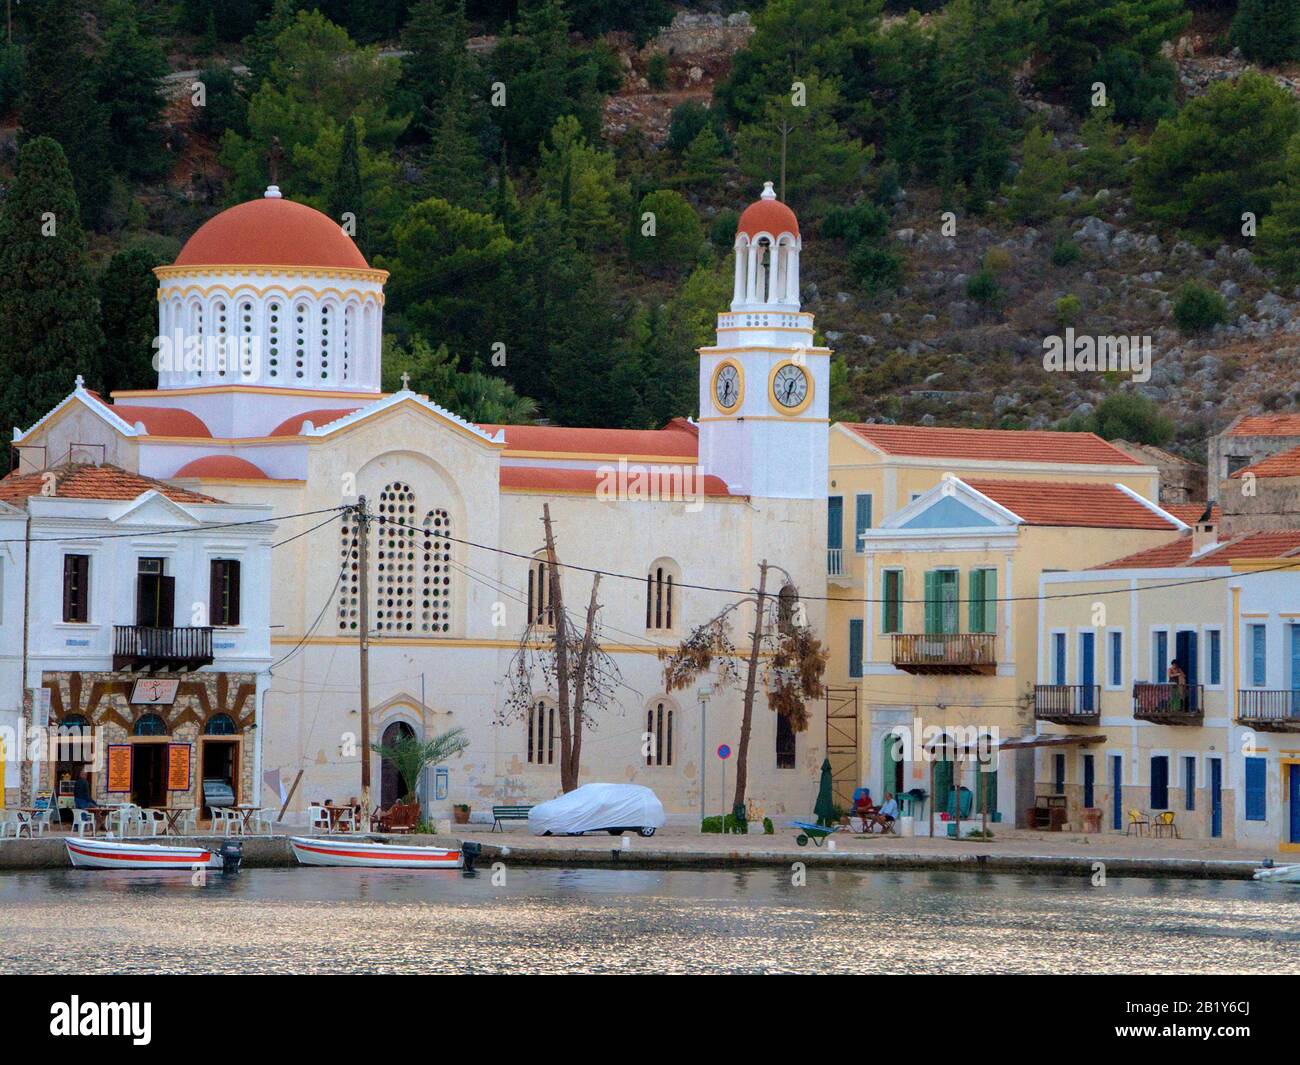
point(611, 808)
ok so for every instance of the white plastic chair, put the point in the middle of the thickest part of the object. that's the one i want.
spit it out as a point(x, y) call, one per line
point(220, 820)
point(234, 822)
point(82, 820)
point(319, 817)
point(39, 823)
point(264, 820)
point(188, 822)
point(347, 821)
point(123, 819)
point(152, 822)
point(8, 823)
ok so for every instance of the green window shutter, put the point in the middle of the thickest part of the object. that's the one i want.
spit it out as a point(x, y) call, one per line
point(855, 647)
point(950, 594)
point(942, 785)
point(975, 601)
point(932, 608)
point(990, 600)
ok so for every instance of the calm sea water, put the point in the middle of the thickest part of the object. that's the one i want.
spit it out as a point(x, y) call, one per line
point(553, 920)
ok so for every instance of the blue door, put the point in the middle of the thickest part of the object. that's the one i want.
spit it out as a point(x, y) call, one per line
point(1295, 670)
point(1058, 658)
point(1185, 650)
point(1117, 791)
point(1293, 775)
point(1088, 771)
point(1087, 669)
point(1216, 797)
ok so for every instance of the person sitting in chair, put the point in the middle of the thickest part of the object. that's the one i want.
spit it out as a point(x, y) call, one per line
point(888, 811)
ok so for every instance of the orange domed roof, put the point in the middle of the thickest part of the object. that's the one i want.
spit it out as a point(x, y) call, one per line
point(767, 215)
point(224, 466)
point(271, 231)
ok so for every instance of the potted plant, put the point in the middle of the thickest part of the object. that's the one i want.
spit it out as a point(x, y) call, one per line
point(411, 757)
point(461, 812)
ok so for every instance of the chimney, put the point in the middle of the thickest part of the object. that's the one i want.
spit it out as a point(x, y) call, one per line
point(1205, 533)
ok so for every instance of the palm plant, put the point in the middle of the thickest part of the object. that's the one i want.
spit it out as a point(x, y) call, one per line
point(411, 756)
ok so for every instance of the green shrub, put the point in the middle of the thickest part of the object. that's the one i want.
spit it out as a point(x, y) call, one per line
point(874, 268)
point(734, 825)
point(769, 829)
point(722, 231)
point(11, 76)
point(1067, 309)
point(1199, 308)
point(712, 824)
point(865, 221)
point(1065, 252)
point(1267, 31)
point(656, 71)
point(983, 287)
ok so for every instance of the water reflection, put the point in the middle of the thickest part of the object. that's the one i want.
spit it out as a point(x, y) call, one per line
point(565, 920)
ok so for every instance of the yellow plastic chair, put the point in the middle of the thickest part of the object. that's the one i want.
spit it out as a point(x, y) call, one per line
point(1137, 824)
point(1164, 825)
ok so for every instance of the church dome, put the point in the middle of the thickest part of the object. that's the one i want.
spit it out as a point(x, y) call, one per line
point(768, 215)
point(272, 231)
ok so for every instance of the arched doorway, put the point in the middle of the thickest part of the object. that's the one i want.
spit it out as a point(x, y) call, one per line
point(149, 761)
point(891, 765)
point(391, 788)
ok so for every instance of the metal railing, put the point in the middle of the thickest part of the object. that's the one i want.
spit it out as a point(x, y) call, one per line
point(144, 644)
point(1068, 703)
point(1271, 706)
point(835, 562)
point(927, 649)
point(1168, 703)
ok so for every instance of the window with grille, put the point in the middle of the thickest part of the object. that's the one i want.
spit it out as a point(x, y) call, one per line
point(395, 542)
point(659, 592)
point(541, 733)
point(540, 610)
point(435, 606)
point(659, 725)
point(350, 585)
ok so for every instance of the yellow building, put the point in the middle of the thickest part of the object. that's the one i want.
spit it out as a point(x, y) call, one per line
point(1172, 677)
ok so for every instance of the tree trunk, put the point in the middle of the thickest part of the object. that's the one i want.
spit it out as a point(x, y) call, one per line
point(561, 637)
point(751, 682)
point(580, 686)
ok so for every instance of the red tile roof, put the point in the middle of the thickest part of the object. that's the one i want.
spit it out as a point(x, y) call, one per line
point(767, 216)
point(1029, 445)
point(163, 421)
point(1093, 506)
point(293, 426)
point(550, 479)
point(1190, 513)
point(92, 482)
point(1283, 464)
point(1267, 425)
point(1179, 552)
point(678, 439)
point(271, 232)
point(231, 466)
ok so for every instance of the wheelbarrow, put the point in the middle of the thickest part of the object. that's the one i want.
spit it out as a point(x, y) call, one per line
point(816, 833)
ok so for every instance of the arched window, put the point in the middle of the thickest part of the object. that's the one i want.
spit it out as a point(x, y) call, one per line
point(660, 596)
point(787, 608)
point(326, 341)
point(349, 341)
point(74, 740)
point(220, 725)
point(659, 727)
point(435, 590)
point(274, 336)
point(540, 609)
point(150, 725)
point(395, 540)
point(350, 586)
point(224, 356)
point(541, 733)
point(300, 340)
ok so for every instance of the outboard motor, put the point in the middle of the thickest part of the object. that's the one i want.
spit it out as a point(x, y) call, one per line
point(232, 855)
point(470, 851)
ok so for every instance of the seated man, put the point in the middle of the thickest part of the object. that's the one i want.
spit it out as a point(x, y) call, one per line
point(888, 812)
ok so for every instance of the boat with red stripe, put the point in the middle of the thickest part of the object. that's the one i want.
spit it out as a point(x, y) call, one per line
point(373, 855)
point(115, 854)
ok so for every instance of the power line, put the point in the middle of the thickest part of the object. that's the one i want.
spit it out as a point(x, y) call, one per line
point(319, 617)
point(96, 537)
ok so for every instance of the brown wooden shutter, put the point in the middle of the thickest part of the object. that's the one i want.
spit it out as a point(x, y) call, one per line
point(233, 602)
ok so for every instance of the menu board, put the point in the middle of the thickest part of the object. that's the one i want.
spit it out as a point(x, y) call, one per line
point(119, 767)
point(178, 767)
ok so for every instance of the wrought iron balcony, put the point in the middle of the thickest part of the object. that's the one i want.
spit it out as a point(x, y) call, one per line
point(142, 647)
point(946, 652)
point(1276, 710)
point(1169, 704)
point(1068, 704)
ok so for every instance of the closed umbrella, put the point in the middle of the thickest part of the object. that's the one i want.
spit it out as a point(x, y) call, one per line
point(825, 808)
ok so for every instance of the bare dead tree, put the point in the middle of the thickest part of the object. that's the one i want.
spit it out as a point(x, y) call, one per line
point(566, 660)
point(796, 663)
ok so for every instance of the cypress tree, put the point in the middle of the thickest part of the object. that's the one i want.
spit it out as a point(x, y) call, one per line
point(129, 74)
point(1279, 232)
point(128, 316)
point(1267, 31)
point(48, 327)
point(347, 196)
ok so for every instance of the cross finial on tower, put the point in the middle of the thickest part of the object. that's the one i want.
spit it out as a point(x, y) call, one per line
point(79, 383)
point(406, 381)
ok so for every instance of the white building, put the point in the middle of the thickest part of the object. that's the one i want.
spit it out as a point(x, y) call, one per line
point(297, 421)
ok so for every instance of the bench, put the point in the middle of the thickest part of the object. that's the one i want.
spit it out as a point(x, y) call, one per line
point(508, 813)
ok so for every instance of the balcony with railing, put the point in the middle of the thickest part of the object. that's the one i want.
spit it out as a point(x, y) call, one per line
point(835, 562)
point(1169, 704)
point(1068, 704)
point(1275, 710)
point(144, 647)
point(946, 652)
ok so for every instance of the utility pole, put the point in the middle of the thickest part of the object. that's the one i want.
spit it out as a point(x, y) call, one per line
point(363, 648)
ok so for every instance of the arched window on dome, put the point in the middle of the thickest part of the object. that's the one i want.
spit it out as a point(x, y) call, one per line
point(347, 367)
point(327, 341)
point(274, 337)
point(246, 327)
point(763, 276)
point(221, 328)
point(300, 325)
point(435, 589)
point(192, 355)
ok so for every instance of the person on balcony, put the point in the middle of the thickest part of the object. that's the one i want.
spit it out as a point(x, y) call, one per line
point(1178, 686)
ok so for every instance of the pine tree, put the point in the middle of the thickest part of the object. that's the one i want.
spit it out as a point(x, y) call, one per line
point(128, 316)
point(60, 100)
point(1037, 188)
point(454, 167)
point(347, 195)
point(129, 75)
point(437, 62)
point(48, 328)
point(1267, 31)
point(1279, 232)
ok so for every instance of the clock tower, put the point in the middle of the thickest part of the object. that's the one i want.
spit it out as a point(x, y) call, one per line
point(765, 385)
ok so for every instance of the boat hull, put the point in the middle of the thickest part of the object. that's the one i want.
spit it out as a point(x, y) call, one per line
point(355, 854)
point(103, 854)
point(1282, 874)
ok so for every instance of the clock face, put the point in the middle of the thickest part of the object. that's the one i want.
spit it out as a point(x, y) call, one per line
point(790, 385)
point(726, 387)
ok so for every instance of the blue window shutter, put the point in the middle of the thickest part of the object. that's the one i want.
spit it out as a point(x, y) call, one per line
point(975, 601)
point(1159, 782)
point(1189, 783)
point(1256, 779)
point(834, 522)
point(990, 600)
point(855, 647)
point(1259, 663)
point(1116, 659)
point(862, 520)
point(1058, 658)
point(1216, 656)
point(1058, 774)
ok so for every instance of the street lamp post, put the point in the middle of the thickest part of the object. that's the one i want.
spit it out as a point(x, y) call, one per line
point(703, 693)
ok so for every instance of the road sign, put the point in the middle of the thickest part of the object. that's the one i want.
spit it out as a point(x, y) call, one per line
point(724, 752)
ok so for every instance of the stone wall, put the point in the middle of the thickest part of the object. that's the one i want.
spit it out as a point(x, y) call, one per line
point(1274, 504)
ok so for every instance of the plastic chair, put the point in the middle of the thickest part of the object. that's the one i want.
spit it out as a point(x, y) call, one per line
point(265, 819)
point(82, 820)
point(1164, 825)
point(124, 818)
point(39, 823)
point(347, 821)
point(9, 822)
point(318, 817)
point(188, 822)
point(152, 821)
point(1137, 824)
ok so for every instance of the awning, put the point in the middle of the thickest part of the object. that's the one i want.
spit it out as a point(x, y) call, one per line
point(1023, 742)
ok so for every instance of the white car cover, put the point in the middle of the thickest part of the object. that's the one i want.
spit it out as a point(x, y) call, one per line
point(596, 806)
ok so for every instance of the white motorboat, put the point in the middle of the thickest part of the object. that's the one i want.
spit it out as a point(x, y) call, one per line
point(1282, 874)
point(362, 854)
point(118, 854)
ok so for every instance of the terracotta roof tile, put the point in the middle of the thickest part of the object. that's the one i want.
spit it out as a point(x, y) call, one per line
point(1179, 552)
point(271, 232)
point(1190, 513)
point(293, 426)
point(1283, 464)
point(222, 466)
point(1267, 425)
point(1029, 445)
point(92, 482)
point(1093, 506)
point(678, 439)
point(548, 478)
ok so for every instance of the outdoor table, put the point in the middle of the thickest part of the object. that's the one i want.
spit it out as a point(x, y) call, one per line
point(173, 815)
point(336, 815)
point(25, 815)
point(100, 814)
point(246, 811)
